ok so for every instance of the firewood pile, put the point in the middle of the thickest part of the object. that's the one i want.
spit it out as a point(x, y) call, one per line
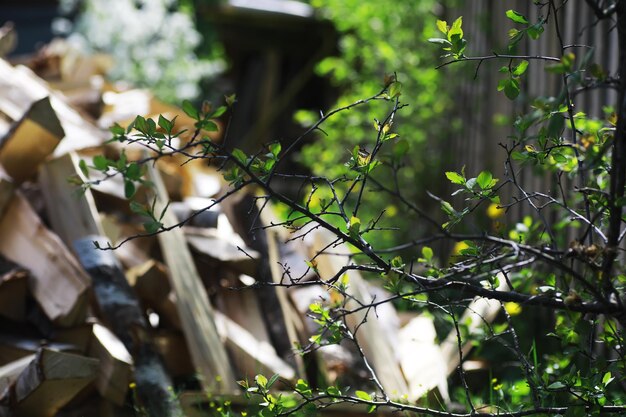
point(87, 331)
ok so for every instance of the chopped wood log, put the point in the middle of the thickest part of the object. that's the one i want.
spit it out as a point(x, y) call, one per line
point(377, 348)
point(6, 191)
point(21, 87)
point(78, 336)
point(116, 300)
point(172, 347)
point(31, 140)
point(194, 308)
point(421, 360)
point(49, 382)
point(479, 312)
point(207, 242)
point(12, 370)
point(57, 281)
point(242, 211)
point(13, 290)
point(151, 283)
point(15, 345)
point(251, 356)
point(115, 370)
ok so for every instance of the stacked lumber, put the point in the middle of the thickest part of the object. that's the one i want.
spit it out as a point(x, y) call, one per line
point(155, 324)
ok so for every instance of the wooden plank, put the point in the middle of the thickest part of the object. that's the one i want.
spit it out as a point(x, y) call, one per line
point(31, 140)
point(50, 381)
point(57, 281)
point(194, 308)
point(117, 303)
point(377, 349)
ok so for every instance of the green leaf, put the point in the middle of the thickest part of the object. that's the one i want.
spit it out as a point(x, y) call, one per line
point(455, 178)
point(427, 253)
point(129, 189)
point(557, 385)
point(511, 89)
point(442, 25)
point(520, 68)
point(397, 262)
point(83, 167)
point(456, 28)
point(260, 380)
point(133, 171)
point(363, 395)
point(516, 17)
point(275, 148)
point(303, 388)
point(190, 110)
point(100, 163)
point(439, 41)
point(152, 226)
point(484, 180)
point(354, 226)
point(239, 155)
point(165, 124)
point(117, 130)
point(447, 208)
point(219, 111)
point(272, 380)
point(607, 378)
point(141, 124)
point(395, 89)
point(138, 208)
point(332, 390)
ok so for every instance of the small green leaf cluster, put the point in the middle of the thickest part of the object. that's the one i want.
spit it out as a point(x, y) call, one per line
point(260, 165)
point(331, 329)
point(132, 172)
point(454, 43)
point(511, 85)
point(533, 31)
point(480, 187)
point(154, 222)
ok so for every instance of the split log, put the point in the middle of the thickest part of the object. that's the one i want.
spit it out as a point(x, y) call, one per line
point(21, 87)
point(421, 360)
point(12, 370)
point(57, 281)
point(250, 355)
point(13, 290)
point(194, 308)
point(280, 317)
point(115, 370)
point(49, 382)
point(172, 347)
point(376, 347)
point(31, 140)
point(479, 312)
point(76, 219)
point(209, 244)
point(6, 191)
point(151, 283)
